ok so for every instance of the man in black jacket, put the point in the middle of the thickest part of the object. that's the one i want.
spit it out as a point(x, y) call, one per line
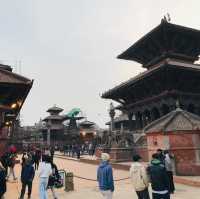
point(159, 179)
point(27, 176)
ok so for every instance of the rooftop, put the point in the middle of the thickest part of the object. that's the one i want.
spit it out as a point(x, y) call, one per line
point(177, 120)
point(55, 109)
point(165, 40)
point(120, 118)
point(166, 62)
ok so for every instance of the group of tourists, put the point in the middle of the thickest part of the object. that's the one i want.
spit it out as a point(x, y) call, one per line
point(76, 150)
point(159, 172)
point(37, 159)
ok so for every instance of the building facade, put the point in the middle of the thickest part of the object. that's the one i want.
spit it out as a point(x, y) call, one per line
point(168, 53)
point(14, 89)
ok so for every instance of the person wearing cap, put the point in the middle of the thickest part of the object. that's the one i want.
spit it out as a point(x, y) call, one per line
point(2, 181)
point(139, 178)
point(105, 177)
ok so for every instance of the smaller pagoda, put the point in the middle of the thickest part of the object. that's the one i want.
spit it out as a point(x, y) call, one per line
point(53, 131)
point(121, 123)
point(88, 131)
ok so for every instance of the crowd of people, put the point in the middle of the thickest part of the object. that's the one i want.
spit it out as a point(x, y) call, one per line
point(159, 172)
point(32, 160)
point(76, 150)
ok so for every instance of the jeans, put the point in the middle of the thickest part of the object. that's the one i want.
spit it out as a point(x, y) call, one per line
point(43, 188)
point(107, 194)
point(29, 184)
point(160, 196)
point(143, 194)
point(171, 181)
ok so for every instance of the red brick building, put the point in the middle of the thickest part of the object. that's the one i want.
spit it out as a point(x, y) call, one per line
point(178, 132)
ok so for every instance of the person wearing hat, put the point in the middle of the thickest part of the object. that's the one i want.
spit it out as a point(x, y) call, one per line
point(105, 177)
point(2, 181)
point(139, 178)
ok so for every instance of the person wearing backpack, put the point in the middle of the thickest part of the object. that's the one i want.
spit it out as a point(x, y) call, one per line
point(139, 178)
point(159, 179)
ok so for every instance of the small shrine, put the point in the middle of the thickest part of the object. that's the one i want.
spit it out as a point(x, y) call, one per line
point(178, 132)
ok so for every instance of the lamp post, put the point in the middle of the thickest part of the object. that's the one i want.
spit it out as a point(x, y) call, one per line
point(48, 125)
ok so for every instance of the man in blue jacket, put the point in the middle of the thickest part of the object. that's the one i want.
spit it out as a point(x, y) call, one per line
point(105, 177)
point(27, 176)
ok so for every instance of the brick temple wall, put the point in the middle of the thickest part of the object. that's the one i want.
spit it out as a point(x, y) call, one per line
point(184, 145)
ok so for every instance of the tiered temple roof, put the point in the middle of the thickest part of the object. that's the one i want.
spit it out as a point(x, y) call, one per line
point(168, 52)
point(164, 41)
point(55, 109)
point(13, 90)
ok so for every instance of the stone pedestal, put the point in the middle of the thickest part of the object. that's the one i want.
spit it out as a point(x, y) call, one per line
point(116, 154)
point(121, 154)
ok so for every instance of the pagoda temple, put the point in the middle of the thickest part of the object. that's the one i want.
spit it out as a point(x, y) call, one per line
point(168, 53)
point(14, 89)
point(53, 126)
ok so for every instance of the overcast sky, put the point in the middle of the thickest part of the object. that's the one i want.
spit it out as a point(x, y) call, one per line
point(69, 47)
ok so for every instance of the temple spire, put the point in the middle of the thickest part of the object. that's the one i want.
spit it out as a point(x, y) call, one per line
point(167, 18)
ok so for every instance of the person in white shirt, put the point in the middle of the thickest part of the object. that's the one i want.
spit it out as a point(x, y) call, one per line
point(139, 178)
point(44, 172)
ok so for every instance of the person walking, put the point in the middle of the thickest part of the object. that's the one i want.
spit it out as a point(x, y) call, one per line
point(4, 161)
point(161, 156)
point(11, 165)
point(2, 181)
point(105, 177)
point(78, 151)
point(158, 178)
point(44, 171)
point(169, 169)
point(27, 175)
point(37, 157)
point(52, 151)
point(53, 178)
point(139, 178)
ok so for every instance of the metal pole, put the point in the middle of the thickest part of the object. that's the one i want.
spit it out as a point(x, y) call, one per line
point(49, 136)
